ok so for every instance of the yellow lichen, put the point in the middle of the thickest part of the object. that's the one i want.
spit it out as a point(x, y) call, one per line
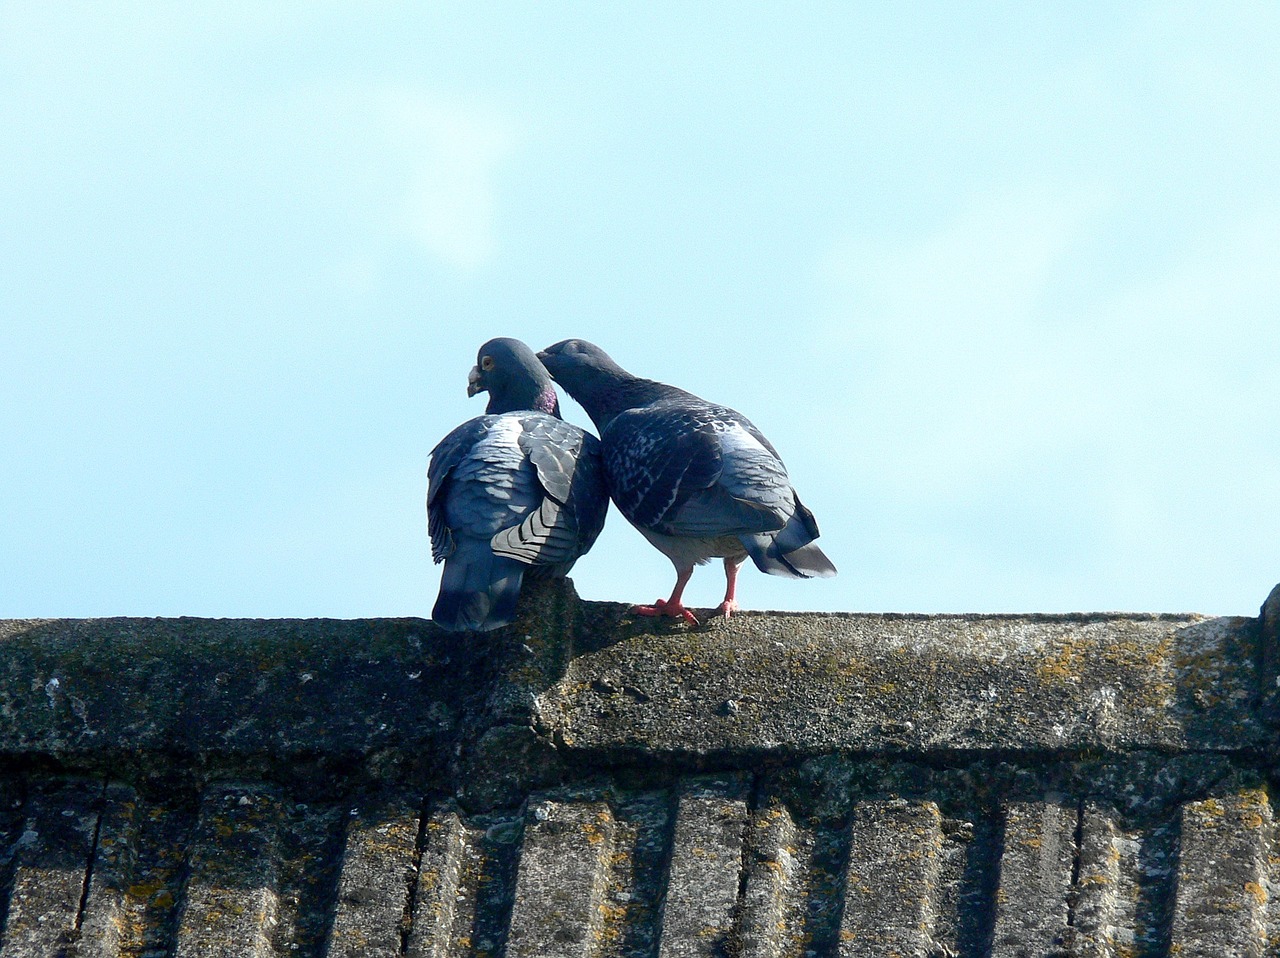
point(1061, 665)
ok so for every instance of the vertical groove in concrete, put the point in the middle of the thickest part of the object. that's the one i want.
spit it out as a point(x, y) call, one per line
point(163, 834)
point(379, 861)
point(1103, 918)
point(103, 920)
point(436, 897)
point(564, 865)
point(637, 871)
point(489, 855)
point(822, 859)
point(1220, 904)
point(891, 879)
point(1035, 879)
point(309, 843)
point(229, 903)
point(769, 882)
point(702, 881)
point(51, 866)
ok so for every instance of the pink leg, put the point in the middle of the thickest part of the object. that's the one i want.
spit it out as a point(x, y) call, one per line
point(730, 604)
point(671, 607)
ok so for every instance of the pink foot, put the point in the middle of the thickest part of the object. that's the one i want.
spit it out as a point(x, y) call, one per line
point(727, 608)
point(662, 607)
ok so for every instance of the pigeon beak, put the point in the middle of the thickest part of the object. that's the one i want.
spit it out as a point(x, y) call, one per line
point(473, 382)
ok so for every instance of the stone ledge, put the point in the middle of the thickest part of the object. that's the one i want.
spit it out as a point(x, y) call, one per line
point(185, 685)
point(770, 683)
point(583, 678)
point(589, 784)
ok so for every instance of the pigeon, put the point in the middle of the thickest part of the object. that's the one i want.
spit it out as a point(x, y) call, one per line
point(513, 491)
point(697, 479)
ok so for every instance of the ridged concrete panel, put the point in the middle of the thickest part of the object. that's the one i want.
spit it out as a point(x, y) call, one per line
point(708, 867)
point(229, 903)
point(379, 867)
point(1223, 866)
point(769, 882)
point(586, 784)
point(638, 872)
point(1036, 864)
point(103, 918)
point(564, 866)
point(1104, 915)
point(706, 862)
point(439, 877)
point(52, 857)
point(484, 893)
point(891, 882)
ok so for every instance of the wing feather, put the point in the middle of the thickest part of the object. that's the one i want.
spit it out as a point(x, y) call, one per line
point(686, 468)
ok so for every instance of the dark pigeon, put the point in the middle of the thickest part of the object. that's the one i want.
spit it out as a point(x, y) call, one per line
point(513, 491)
point(698, 480)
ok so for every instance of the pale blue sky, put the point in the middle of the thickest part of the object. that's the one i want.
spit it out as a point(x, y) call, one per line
point(1001, 284)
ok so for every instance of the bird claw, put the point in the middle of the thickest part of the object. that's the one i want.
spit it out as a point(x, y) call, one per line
point(672, 610)
point(727, 608)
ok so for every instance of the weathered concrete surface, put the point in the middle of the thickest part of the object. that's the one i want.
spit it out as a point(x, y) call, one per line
point(807, 684)
point(84, 688)
point(764, 683)
point(71, 687)
point(111, 871)
point(231, 894)
point(769, 876)
point(379, 871)
point(891, 882)
point(50, 857)
point(439, 874)
point(564, 868)
point(779, 786)
point(706, 861)
point(1223, 876)
point(1105, 904)
point(1035, 868)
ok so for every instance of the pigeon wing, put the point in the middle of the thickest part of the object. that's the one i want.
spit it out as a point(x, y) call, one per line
point(571, 512)
point(751, 494)
point(689, 468)
point(656, 458)
point(451, 452)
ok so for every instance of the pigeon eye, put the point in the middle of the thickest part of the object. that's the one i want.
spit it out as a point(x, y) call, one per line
point(486, 363)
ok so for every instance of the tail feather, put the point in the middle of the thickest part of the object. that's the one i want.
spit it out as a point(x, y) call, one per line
point(800, 530)
point(809, 562)
point(790, 551)
point(478, 591)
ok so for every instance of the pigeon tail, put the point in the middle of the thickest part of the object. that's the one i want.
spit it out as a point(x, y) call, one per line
point(790, 551)
point(800, 530)
point(478, 591)
point(807, 562)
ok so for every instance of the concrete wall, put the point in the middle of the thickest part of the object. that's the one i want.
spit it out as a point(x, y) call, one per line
point(587, 784)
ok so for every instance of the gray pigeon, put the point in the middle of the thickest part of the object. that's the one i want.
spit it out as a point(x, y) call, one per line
point(698, 480)
point(513, 491)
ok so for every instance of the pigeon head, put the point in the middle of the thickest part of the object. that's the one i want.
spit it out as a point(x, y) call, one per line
point(513, 377)
point(576, 360)
point(601, 386)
